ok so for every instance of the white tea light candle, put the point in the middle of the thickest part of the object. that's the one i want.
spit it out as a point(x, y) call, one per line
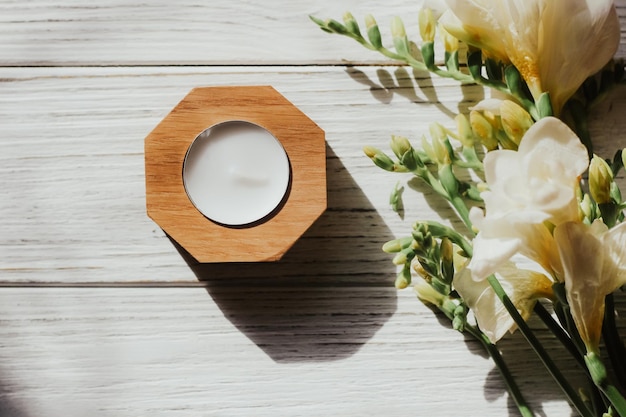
point(236, 173)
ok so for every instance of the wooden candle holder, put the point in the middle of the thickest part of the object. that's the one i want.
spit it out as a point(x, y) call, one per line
point(170, 207)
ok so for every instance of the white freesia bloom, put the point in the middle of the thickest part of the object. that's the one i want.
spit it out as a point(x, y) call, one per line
point(523, 287)
point(529, 190)
point(594, 263)
point(555, 44)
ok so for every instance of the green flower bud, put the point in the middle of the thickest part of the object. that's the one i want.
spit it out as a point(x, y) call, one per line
point(397, 28)
point(459, 318)
point(395, 198)
point(400, 145)
point(437, 150)
point(515, 120)
point(403, 279)
point(379, 158)
point(400, 258)
point(623, 155)
point(427, 24)
point(587, 208)
point(400, 40)
point(396, 245)
point(336, 27)
point(466, 136)
point(448, 180)
point(484, 130)
point(373, 33)
point(446, 249)
point(351, 24)
point(600, 180)
point(404, 257)
point(427, 294)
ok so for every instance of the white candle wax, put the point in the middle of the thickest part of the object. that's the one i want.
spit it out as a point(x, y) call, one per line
point(236, 173)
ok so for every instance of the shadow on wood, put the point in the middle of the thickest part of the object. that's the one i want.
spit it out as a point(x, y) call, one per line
point(9, 408)
point(408, 85)
point(330, 293)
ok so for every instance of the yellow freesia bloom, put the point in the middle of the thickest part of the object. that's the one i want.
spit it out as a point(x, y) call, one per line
point(555, 44)
point(594, 264)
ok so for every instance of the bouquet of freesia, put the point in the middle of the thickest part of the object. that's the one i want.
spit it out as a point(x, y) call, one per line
point(544, 231)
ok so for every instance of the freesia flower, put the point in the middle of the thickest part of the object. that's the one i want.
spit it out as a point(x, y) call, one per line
point(594, 263)
point(530, 190)
point(555, 44)
point(524, 287)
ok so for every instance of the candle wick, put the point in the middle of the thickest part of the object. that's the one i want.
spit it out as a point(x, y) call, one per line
point(247, 178)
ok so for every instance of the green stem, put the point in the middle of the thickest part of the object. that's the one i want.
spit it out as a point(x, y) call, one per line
point(571, 347)
point(560, 379)
point(455, 200)
point(462, 210)
point(497, 358)
point(560, 334)
point(613, 342)
point(617, 400)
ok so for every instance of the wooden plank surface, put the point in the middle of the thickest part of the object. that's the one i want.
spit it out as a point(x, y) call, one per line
point(247, 351)
point(190, 32)
point(74, 169)
point(102, 315)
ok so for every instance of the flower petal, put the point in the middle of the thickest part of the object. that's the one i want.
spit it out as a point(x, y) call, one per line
point(593, 261)
point(522, 286)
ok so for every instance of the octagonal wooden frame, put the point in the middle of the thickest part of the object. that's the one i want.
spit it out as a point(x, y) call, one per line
point(170, 207)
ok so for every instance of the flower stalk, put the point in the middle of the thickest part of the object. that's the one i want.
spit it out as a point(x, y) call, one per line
point(543, 355)
point(525, 157)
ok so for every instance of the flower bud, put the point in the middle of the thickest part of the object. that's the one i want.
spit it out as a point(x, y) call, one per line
point(351, 23)
point(515, 120)
point(403, 279)
point(400, 145)
point(336, 27)
point(484, 130)
point(395, 198)
point(373, 33)
point(437, 150)
point(437, 131)
point(588, 208)
point(397, 28)
point(400, 258)
point(448, 180)
point(396, 245)
point(400, 40)
point(450, 43)
point(600, 180)
point(427, 293)
point(466, 136)
point(623, 155)
point(379, 158)
point(427, 24)
point(447, 259)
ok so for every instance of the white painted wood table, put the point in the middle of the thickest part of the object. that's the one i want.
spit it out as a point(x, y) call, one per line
point(100, 315)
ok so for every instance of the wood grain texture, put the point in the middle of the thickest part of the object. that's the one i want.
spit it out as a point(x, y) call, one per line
point(236, 351)
point(102, 315)
point(191, 32)
point(74, 172)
